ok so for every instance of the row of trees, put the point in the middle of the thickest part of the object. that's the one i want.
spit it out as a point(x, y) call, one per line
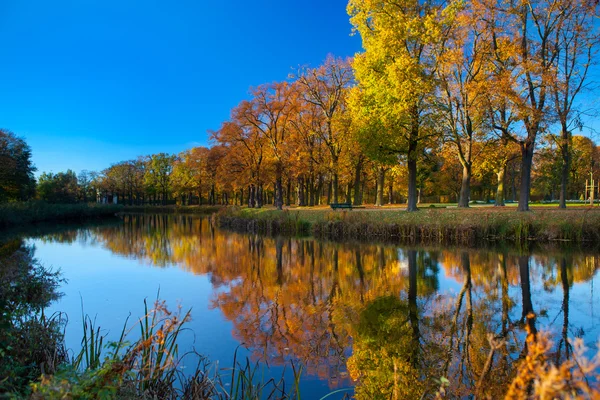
point(215, 176)
point(448, 100)
point(211, 175)
point(471, 72)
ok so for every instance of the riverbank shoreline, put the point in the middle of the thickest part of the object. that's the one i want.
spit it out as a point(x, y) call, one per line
point(27, 213)
point(468, 227)
point(19, 214)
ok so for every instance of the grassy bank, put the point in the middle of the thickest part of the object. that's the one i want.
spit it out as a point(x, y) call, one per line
point(14, 214)
point(172, 209)
point(428, 226)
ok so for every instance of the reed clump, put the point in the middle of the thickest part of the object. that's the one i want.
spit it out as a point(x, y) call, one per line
point(264, 221)
point(428, 226)
point(151, 367)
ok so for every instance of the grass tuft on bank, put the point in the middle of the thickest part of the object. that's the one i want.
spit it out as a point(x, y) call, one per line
point(427, 226)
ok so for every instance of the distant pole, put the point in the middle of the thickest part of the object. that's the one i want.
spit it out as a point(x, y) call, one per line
point(592, 189)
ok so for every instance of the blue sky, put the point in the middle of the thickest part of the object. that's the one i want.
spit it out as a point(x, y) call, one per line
point(89, 83)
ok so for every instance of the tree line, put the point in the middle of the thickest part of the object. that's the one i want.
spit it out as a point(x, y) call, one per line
point(449, 101)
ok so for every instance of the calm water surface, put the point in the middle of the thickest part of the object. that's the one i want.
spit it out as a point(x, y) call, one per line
point(341, 310)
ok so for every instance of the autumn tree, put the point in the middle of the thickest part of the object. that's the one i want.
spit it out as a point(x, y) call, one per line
point(158, 174)
point(574, 41)
point(326, 87)
point(524, 56)
point(396, 73)
point(214, 158)
point(191, 174)
point(269, 112)
point(461, 73)
point(182, 178)
point(498, 154)
point(308, 159)
point(583, 155)
point(246, 151)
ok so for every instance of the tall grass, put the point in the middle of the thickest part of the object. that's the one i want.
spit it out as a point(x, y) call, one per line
point(428, 226)
point(13, 214)
point(150, 368)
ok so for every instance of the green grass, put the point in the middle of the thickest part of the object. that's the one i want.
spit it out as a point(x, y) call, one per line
point(14, 214)
point(429, 225)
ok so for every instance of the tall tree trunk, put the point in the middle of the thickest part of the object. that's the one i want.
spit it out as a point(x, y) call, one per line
point(526, 163)
point(258, 196)
point(391, 192)
point(500, 189)
point(311, 190)
point(278, 192)
point(380, 258)
point(566, 165)
point(361, 274)
point(300, 192)
point(412, 179)
point(251, 195)
point(319, 191)
point(357, 172)
point(335, 185)
point(363, 185)
point(413, 311)
point(329, 192)
point(288, 194)
point(412, 161)
point(527, 314)
point(349, 193)
point(564, 277)
point(505, 295)
point(380, 186)
point(465, 187)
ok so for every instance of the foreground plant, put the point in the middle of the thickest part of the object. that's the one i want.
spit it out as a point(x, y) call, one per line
point(30, 341)
point(538, 378)
point(151, 367)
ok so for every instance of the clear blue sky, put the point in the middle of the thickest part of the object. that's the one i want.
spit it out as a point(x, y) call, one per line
point(93, 82)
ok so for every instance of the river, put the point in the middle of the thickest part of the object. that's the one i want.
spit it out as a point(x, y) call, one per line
point(341, 310)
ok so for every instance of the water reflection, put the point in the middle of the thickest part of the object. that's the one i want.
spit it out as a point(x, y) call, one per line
point(395, 319)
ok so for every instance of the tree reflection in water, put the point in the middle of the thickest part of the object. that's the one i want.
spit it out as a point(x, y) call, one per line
point(395, 320)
